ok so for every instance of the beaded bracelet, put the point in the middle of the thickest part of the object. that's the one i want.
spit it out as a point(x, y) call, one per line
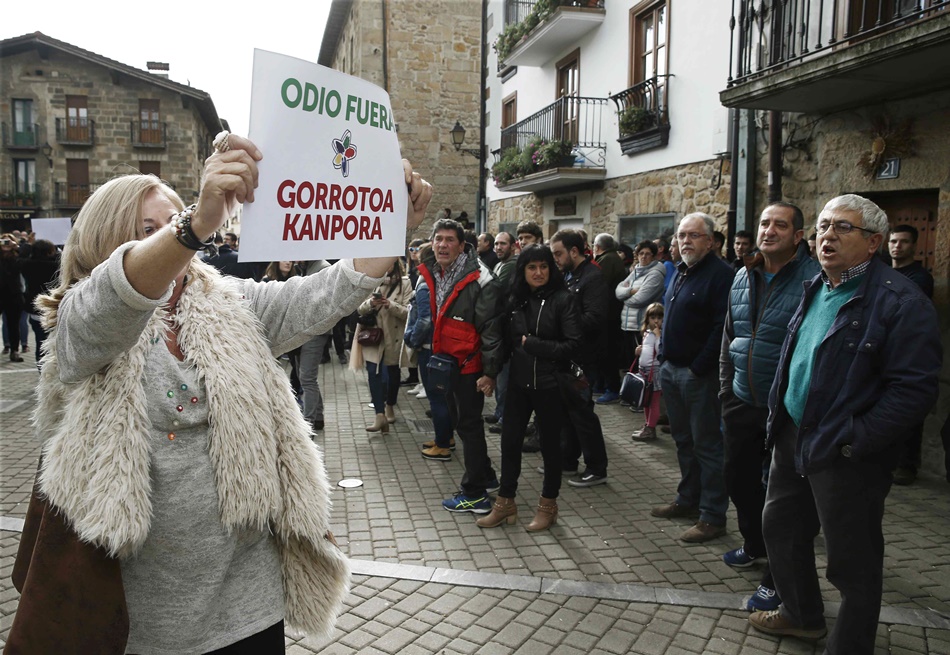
point(180, 226)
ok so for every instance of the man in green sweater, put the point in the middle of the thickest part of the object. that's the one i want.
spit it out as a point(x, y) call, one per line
point(860, 362)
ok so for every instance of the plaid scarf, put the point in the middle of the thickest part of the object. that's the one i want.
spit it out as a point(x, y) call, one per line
point(446, 278)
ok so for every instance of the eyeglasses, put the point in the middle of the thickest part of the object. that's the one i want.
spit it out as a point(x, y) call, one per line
point(840, 227)
point(692, 235)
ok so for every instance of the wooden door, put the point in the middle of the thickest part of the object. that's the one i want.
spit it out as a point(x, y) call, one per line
point(149, 121)
point(77, 181)
point(568, 90)
point(917, 209)
point(77, 119)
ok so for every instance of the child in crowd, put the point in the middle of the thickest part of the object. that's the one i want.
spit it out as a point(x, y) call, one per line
point(650, 369)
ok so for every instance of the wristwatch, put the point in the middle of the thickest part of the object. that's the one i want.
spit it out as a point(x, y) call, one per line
point(846, 450)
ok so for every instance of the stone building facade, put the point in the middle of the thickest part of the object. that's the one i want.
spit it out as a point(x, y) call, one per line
point(427, 56)
point(73, 119)
point(824, 163)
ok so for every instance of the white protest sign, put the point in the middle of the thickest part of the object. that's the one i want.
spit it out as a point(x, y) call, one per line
point(331, 183)
point(54, 230)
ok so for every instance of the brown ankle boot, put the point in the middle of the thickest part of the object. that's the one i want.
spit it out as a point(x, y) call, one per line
point(545, 517)
point(391, 413)
point(381, 425)
point(504, 510)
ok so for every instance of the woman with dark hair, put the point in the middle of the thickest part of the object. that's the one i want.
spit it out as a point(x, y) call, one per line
point(39, 272)
point(389, 305)
point(543, 334)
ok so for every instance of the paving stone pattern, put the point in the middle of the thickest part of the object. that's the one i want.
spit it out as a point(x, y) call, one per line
point(604, 535)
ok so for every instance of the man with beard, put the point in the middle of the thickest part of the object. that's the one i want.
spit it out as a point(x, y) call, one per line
point(583, 434)
point(692, 333)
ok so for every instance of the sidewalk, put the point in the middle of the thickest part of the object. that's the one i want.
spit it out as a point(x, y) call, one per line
point(608, 578)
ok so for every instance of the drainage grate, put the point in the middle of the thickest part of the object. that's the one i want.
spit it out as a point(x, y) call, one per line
point(422, 425)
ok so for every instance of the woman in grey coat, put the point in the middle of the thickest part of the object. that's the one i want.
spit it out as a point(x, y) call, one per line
point(638, 291)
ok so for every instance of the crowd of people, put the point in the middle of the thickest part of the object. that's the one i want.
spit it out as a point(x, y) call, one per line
point(796, 406)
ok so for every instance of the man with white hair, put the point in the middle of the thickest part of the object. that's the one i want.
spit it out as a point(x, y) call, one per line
point(859, 363)
point(696, 304)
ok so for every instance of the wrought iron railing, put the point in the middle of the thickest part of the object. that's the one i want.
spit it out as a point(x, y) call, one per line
point(574, 119)
point(72, 195)
point(770, 34)
point(26, 137)
point(22, 195)
point(75, 131)
point(517, 10)
point(647, 100)
point(148, 134)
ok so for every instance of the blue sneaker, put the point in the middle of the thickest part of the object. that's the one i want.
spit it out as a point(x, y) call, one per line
point(763, 600)
point(492, 486)
point(462, 503)
point(739, 559)
point(608, 397)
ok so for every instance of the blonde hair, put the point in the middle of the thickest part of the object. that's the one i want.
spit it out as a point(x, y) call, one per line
point(110, 217)
point(654, 309)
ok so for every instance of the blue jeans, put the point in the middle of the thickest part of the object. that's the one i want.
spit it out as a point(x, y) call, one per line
point(310, 354)
point(501, 390)
point(378, 385)
point(694, 411)
point(441, 419)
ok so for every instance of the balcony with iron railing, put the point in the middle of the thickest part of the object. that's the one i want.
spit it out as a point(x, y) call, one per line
point(148, 134)
point(825, 55)
point(75, 131)
point(24, 195)
point(561, 145)
point(536, 31)
point(72, 196)
point(642, 116)
point(21, 137)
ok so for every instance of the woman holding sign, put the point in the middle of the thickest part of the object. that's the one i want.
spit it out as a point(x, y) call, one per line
point(180, 505)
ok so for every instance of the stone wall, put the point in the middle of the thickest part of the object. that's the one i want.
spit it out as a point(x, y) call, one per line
point(678, 190)
point(822, 162)
point(433, 58)
point(113, 104)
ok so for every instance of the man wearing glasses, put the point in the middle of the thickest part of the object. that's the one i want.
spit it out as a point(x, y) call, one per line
point(696, 302)
point(859, 364)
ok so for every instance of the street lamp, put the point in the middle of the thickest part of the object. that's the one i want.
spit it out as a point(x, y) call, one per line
point(458, 138)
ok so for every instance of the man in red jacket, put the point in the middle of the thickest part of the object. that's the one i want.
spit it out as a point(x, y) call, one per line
point(466, 310)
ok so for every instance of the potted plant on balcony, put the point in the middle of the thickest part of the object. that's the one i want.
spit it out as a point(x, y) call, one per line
point(554, 154)
point(636, 119)
point(6, 199)
point(25, 199)
point(641, 129)
point(506, 167)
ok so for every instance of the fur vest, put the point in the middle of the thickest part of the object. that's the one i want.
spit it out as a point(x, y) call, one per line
point(268, 473)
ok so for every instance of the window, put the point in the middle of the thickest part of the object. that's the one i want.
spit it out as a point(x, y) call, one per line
point(568, 87)
point(645, 227)
point(151, 168)
point(24, 180)
point(77, 181)
point(77, 119)
point(150, 129)
point(649, 55)
point(23, 132)
point(509, 110)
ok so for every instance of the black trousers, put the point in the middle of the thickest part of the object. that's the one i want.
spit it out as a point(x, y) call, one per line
point(609, 365)
point(549, 408)
point(465, 410)
point(910, 448)
point(582, 434)
point(845, 500)
point(746, 463)
point(269, 641)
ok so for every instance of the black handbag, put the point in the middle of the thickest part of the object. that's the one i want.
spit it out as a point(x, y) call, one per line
point(633, 389)
point(442, 368)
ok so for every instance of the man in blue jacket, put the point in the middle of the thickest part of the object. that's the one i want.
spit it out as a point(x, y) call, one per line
point(859, 363)
point(692, 336)
point(765, 293)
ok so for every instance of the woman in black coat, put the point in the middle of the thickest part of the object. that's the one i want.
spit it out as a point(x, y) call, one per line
point(543, 335)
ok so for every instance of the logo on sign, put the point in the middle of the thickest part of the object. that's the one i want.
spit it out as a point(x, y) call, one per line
point(343, 151)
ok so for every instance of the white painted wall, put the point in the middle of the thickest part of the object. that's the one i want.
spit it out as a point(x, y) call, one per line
point(698, 61)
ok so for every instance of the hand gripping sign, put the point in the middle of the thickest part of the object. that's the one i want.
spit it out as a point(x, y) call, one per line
point(331, 184)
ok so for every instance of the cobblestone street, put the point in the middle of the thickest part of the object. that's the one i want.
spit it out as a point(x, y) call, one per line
point(608, 578)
